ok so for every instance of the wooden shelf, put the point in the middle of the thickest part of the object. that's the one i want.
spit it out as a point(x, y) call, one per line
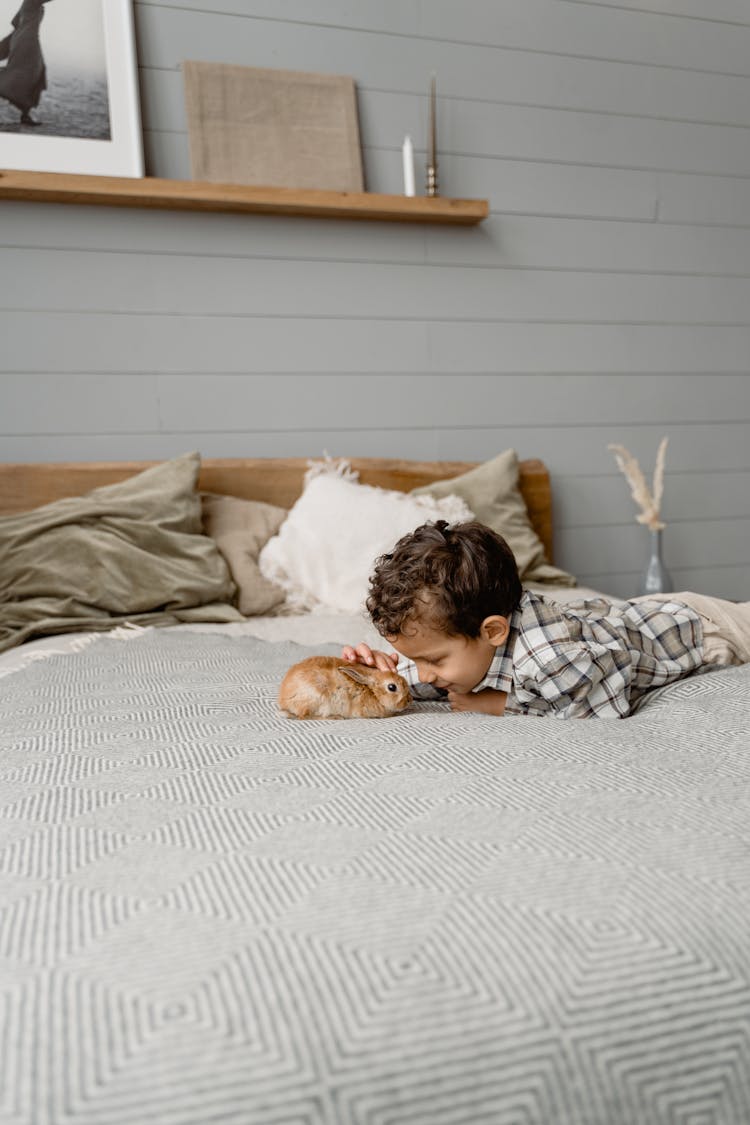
point(189, 195)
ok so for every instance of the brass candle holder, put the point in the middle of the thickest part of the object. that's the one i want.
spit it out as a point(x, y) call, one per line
point(431, 183)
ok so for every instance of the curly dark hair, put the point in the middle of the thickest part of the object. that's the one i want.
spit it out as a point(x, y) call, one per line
point(451, 578)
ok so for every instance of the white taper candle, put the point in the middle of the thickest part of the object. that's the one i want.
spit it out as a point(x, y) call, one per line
point(408, 155)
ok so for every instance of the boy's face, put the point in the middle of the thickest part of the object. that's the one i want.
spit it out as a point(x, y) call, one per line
point(455, 663)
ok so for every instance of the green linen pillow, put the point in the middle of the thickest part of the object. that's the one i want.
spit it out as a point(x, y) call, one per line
point(131, 551)
point(492, 492)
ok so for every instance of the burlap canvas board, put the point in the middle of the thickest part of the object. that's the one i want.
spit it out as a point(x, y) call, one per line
point(274, 128)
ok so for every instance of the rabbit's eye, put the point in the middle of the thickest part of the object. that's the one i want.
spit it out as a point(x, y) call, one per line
point(392, 686)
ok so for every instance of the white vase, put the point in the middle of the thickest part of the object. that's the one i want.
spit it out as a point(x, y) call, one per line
point(656, 577)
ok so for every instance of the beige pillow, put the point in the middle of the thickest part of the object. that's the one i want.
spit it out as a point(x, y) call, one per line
point(491, 491)
point(240, 528)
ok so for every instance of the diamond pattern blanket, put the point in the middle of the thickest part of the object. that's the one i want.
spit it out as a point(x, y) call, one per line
point(212, 913)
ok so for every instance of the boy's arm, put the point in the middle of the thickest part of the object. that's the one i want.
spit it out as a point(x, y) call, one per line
point(373, 657)
point(489, 702)
point(576, 681)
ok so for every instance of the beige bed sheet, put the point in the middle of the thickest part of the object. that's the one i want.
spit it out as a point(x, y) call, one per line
point(307, 629)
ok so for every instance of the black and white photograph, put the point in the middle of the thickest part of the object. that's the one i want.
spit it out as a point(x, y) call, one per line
point(54, 79)
point(68, 88)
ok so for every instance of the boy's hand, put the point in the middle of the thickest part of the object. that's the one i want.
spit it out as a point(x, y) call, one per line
point(489, 701)
point(363, 654)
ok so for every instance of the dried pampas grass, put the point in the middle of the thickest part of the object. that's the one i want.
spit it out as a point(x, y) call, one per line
point(647, 499)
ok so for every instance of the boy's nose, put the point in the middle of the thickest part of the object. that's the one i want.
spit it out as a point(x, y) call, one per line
point(425, 675)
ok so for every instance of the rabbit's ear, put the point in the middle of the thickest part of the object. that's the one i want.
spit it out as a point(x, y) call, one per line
point(353, 673)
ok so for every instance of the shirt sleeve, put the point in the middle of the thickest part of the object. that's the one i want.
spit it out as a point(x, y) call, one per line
point(408, 669)
point(575, 681)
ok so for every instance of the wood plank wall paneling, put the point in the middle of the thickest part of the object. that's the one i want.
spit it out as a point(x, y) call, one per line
point(605, 299)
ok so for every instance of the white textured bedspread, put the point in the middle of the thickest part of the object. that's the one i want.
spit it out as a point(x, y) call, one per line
point(212, 913)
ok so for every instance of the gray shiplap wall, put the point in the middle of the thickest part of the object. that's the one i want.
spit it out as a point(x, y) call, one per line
point(607, 298)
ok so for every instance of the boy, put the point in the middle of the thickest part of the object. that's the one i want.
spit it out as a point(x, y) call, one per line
point(450, 601)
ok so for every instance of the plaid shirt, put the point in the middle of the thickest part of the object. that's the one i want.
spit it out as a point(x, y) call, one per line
point(586, 659)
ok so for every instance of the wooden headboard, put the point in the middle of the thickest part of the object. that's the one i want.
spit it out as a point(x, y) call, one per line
point(275, 480)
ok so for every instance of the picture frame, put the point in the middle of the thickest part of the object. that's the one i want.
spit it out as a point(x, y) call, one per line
point(69, 98)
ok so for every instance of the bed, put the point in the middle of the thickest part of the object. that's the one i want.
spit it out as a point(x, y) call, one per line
point(212, 913)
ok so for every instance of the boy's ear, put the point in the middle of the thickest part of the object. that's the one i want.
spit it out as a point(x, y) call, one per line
point(495, 629)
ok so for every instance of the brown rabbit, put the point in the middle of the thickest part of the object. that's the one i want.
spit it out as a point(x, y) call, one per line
point(326, 687)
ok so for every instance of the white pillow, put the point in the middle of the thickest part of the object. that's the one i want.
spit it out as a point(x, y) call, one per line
point(326, 548)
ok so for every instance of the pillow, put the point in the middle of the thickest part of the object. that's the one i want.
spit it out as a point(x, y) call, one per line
point(240, 528)
point(491, 490)
point(132, 551)
point(325, 551)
